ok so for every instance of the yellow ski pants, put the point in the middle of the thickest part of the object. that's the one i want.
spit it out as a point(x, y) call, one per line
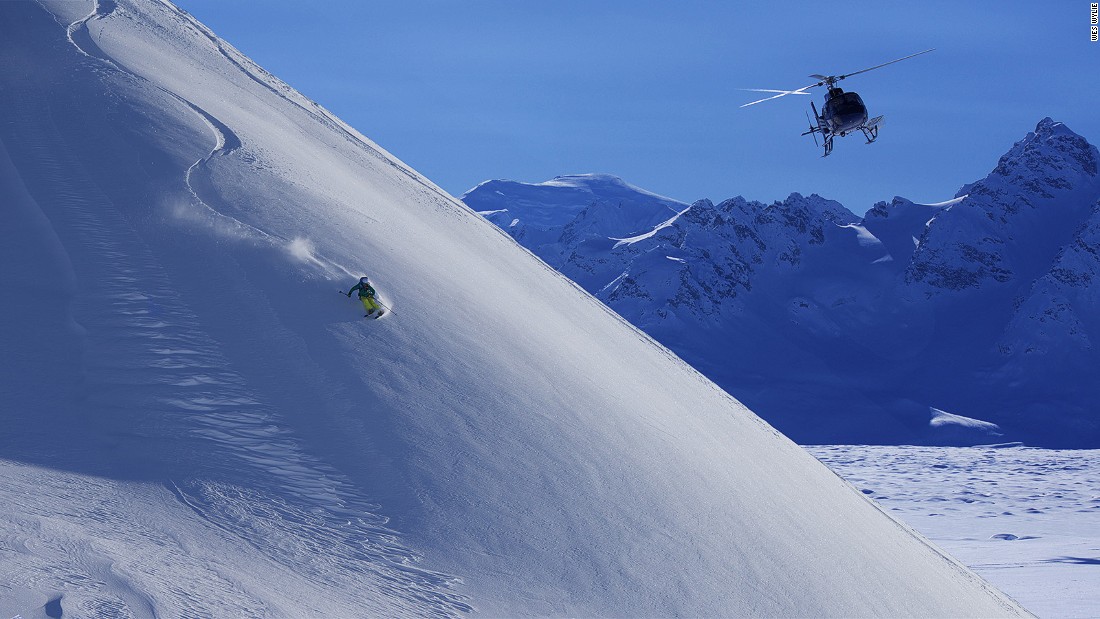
point(370, 304)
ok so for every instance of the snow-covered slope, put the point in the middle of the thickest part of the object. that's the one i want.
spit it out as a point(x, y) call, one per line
point(984, 305)
point(1023, 517)
point(195, 424)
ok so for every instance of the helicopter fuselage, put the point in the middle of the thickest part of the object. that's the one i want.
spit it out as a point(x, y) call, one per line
point(844, 112)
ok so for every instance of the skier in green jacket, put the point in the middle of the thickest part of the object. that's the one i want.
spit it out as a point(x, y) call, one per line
point(366, 296)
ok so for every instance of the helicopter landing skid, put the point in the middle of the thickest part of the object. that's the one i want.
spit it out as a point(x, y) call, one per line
point(871, 127)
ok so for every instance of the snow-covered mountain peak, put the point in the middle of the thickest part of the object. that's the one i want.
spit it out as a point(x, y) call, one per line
point(830, 209)
point(899, 205)
point(1050, 159)
point(599, 184)
point(797, 209)
point(1006, 229)
point(577, 207)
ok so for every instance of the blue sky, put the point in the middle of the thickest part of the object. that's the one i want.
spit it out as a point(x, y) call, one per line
point(648, 90)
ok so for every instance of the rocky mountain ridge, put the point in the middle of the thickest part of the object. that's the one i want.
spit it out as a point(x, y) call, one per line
point(837, 328)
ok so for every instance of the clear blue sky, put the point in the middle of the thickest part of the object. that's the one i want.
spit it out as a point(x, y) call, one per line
point(466, 91)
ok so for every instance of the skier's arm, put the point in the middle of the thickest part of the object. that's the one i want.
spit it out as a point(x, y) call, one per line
point(354, 288)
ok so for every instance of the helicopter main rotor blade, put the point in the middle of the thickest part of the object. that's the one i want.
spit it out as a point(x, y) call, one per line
point(840, 77)
point(830, 80)
point(782, 93)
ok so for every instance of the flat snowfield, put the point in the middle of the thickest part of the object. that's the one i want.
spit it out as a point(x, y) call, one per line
point(196, 423)
point(1026, 520)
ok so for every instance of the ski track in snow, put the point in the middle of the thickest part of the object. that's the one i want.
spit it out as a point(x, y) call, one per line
point(257, 74)
point(226, 141)
point(129, 311)
point(195, 407)
point(80, 36)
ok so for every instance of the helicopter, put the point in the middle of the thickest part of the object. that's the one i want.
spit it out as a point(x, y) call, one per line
point(842, 113)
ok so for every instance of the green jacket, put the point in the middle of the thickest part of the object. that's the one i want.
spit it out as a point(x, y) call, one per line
point(365, 290)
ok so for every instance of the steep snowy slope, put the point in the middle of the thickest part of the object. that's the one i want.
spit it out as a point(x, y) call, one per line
point(195, 424)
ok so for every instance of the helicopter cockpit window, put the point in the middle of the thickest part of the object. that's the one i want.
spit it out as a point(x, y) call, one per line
point(849, 103)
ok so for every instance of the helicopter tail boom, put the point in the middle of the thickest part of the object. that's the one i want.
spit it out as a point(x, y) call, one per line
point(821, 128)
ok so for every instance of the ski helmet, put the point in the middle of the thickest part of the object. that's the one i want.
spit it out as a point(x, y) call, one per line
point(364, 280)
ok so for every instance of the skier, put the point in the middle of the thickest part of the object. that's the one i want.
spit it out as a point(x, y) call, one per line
point(366, 296)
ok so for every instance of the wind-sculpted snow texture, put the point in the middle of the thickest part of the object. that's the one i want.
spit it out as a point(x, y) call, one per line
point(195, 424)
point(1023, 517)
point(840, 329)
